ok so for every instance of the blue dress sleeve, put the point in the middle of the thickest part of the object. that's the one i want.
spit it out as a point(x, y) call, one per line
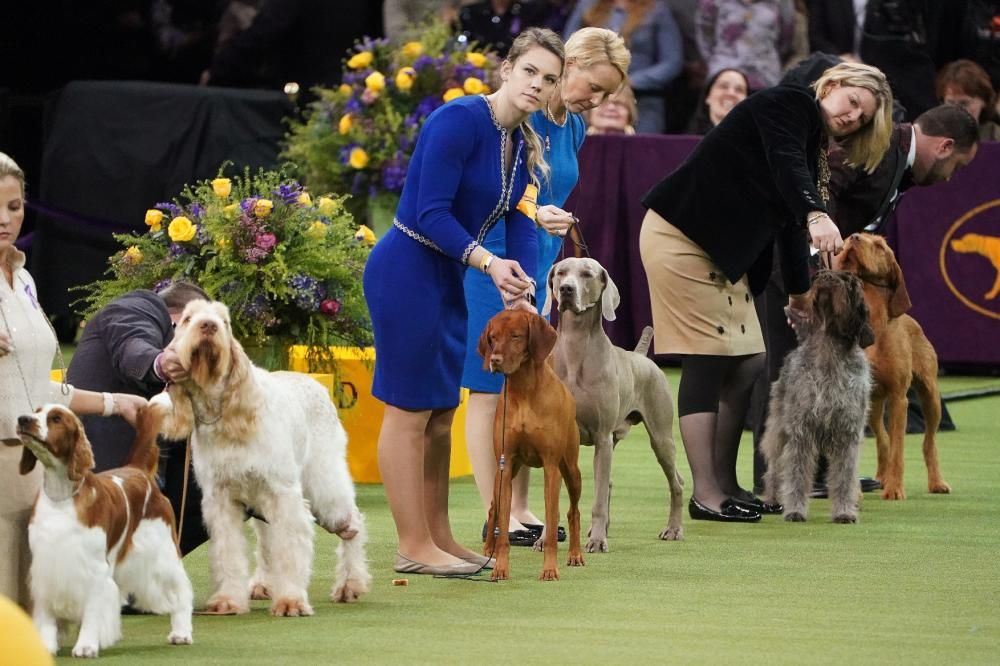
point(447, 148)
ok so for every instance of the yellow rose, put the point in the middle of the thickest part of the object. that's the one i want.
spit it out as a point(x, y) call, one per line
point(181, 229)
point(360, 60)
point(345, 124)
point(412, 49)
point(133, 255)
point(375, 82)
point(452, 93)
point(358, 158)
point(153, 219)
point(365, 235)
point(232, 211)
point(316, 230)
point(404, 78)
point(222, 187)
point(344, 89)
point(326, 206)
point(473, 86)
point(475, 59)
point(304, 199)
point(262, 207)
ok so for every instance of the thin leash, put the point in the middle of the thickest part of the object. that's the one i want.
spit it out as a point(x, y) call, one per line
point(575, 235)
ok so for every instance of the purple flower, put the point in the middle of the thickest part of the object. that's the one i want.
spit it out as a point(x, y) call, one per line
point(247, 204)
point(394, 173)
point(422, 61)
point(260, 309)
point(353, 105)
point(254, 254)
point(201, 234)
point(266, 241)
point(162, 284)
point(168, 207)
point(426, 105)
point(197, 210)
point(307, 292)
point(288, 193)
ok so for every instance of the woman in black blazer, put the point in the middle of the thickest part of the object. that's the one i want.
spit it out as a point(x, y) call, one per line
point(706, 244)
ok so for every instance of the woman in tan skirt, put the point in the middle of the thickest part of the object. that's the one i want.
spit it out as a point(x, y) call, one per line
point(706, 244)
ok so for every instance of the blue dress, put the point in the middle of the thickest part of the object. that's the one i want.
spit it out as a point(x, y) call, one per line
point(481, 296)
point(457, 189)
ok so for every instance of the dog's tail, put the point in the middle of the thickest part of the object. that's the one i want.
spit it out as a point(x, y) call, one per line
point(642, 347)
point(145, 453)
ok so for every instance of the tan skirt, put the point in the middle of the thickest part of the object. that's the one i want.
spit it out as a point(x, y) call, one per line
point(696, 310)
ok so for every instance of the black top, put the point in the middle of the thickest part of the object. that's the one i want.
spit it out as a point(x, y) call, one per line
point(751, 180)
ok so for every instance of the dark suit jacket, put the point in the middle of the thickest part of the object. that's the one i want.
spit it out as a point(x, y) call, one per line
point(831, 26)
point(115, 354)
point(860, 199)
point(749, 181)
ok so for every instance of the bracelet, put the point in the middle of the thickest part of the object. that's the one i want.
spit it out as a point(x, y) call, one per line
point(109, 404)
point(485, 265)
point(814, 219)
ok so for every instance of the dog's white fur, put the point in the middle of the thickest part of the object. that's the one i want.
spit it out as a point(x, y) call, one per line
point(77, 579)
point(268, 443)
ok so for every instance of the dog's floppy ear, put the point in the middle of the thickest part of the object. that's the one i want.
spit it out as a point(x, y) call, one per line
point(484, 345)
point(81, 460)
point(541, 338)
point(547, 308)
point(28, 461)
point(899, 300)
point(240, 402)
point(609, 297)
point(858, 327)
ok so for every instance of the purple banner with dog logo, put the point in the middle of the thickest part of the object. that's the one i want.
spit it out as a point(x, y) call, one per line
point(947, 239)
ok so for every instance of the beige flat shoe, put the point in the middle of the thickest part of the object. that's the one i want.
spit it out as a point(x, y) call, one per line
point(406, 565)
point(481, 561)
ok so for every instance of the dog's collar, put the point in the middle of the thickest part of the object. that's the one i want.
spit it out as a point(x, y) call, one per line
point(201, 420)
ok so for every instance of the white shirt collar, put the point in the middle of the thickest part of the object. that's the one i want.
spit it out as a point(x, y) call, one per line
point(912, 156)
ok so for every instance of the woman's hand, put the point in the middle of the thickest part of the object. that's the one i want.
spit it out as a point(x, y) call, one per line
point(127, 406)
point(554, 220)
point(6, 345)
point(824, 234)
point(509, 278)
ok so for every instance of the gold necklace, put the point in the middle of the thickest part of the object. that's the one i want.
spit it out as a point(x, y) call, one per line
point(552, 119)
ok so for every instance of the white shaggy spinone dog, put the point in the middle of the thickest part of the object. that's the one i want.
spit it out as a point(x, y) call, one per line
point(269, 444)
point(97, 538)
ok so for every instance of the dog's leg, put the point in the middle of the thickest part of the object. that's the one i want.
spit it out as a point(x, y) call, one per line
point(290, 552)
point(930, 402)
point(574, 486)
point(892, 484)
point(876, 421)
point(101, 625)
point(553, 483)
point(597, 541)
point(666, 454)
point(797, 467)
point(351, 579)
point(260, 581)
point(226, 552)
point(842, 481)
point(48, 628)
point(502, 482)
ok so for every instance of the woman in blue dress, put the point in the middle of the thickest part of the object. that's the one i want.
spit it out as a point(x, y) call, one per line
point(597, 63)
point(471, 167)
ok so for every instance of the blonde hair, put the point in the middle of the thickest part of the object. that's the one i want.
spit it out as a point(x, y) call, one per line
point(8, 167)
point(597, 46)
point(527, 40)
point(865, 147)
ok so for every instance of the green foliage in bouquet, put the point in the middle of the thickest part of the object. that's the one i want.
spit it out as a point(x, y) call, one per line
point(288, 267)
point(357, 139)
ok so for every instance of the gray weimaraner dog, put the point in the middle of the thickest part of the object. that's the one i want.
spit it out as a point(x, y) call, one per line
point(614, 388)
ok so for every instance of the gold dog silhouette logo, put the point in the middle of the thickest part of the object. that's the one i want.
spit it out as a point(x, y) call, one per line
point(970, 259)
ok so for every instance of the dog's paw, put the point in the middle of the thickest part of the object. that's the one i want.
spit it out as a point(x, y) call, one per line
point(795, 517)
point(893, 492)
point(575, 560)
point(940, 487)
point(349, 591)
point(672, 534)
point(596, 545)
point(500, 572)
point(176, 638)
point(845, 518)
point(222, 605)
point(551, 573)
point(287, 607)
point(85, 650)
point(259, 591)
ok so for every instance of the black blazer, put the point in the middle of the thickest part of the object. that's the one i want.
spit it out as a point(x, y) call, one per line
point(860, 199)
point(749, 181)
point(115, 354)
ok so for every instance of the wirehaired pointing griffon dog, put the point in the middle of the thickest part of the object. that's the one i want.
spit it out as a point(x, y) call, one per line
point(614, 388)
point(901, 356)
point(820, 401)
point(97, 538)
point(535, 425)
point(268, 444)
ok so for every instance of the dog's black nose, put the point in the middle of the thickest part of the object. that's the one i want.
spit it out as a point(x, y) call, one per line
point(566, 289)
point(25, 420)
point(208, 327)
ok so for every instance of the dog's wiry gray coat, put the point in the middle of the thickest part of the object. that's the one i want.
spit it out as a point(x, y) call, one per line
point(614, 388)
point(819, 404)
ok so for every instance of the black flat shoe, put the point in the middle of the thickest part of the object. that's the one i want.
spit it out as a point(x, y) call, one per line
point(537, 529)
point(517, 537)
point(729, 512)
point(870, 485)
point(758, 505)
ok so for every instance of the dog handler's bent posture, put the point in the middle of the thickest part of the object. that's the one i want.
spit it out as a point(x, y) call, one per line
point(706, 245)
point(471, 167)
point(596, 65)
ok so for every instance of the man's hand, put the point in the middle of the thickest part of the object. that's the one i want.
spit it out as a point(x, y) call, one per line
point(170, 366)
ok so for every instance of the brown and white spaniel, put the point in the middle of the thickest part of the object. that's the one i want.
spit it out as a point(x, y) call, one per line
point(267, 444)
point(97, 538)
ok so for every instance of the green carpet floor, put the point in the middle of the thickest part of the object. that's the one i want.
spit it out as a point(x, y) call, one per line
point(915, 582)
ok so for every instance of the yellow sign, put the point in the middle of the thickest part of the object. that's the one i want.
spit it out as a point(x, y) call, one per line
point(971, 243)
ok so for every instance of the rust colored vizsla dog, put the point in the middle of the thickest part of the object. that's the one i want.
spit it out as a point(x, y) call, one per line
point(901, 356)
point(535, 425)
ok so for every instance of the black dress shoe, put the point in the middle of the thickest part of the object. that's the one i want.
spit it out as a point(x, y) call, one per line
point(869, 485)
point(517, 537)
point(728, 512)
point(758, 505)
point(537, 529)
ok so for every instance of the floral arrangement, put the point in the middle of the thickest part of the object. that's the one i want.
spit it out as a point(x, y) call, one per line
point(287, 266)
point(357, 139)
